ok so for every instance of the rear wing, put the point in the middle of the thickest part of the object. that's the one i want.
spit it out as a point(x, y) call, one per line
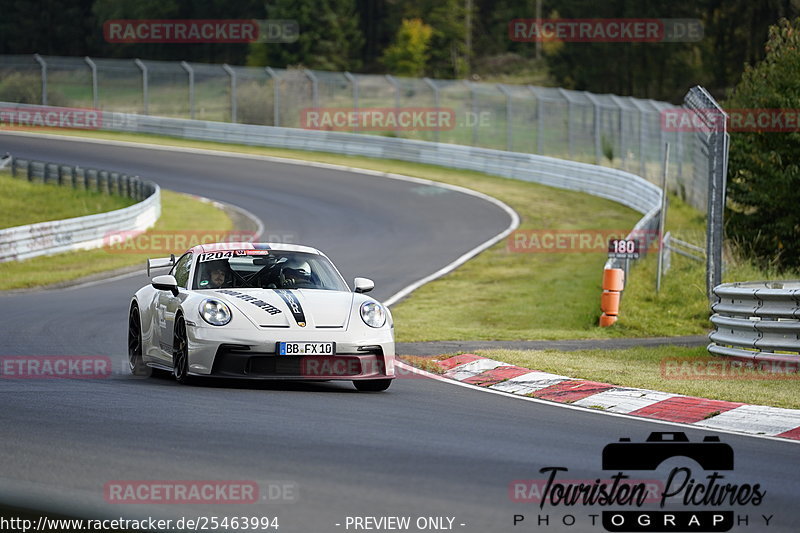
point(163, 262)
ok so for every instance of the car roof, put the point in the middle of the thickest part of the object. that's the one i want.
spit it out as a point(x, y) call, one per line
point(215, 247)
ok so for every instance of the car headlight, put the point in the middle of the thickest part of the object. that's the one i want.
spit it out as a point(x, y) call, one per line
point(215, 312)
point(373, 314)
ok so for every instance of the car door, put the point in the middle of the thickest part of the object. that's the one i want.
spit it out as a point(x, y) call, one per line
point(167, 305)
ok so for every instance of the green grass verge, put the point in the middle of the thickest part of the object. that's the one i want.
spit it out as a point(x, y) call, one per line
point(179, 212)
point(642, 368)
point(24, 202)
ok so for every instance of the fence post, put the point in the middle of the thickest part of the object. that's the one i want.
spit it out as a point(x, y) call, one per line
point(539, 121)
point(145, 84)
point(276, 97)
point(642, 150)
point(662, 218)
point(435, 90)
point(354, 84)
point(662, 142)
point(95, 97)
point(189, 70)
point(43, 65)
point(570, 148)
point(232, 75)
point(509, 129)
point(314, 87)
point(623, 152)
point(679, 142)
point(396, 86)
point(598, 148)
point(474, 107)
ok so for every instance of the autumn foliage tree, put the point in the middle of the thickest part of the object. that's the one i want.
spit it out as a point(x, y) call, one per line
point(408, 54)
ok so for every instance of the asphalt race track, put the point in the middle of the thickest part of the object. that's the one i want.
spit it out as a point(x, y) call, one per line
point(422, 449)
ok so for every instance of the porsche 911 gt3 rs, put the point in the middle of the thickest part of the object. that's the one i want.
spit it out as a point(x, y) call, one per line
point(268, 311)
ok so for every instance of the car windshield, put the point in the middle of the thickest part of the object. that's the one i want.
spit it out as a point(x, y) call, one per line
point(266, 269)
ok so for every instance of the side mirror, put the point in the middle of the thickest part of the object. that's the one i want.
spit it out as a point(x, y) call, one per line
point(363, 284)
point(166, 283)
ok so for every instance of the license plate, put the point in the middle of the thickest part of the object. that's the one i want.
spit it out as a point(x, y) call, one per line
point(306, 348)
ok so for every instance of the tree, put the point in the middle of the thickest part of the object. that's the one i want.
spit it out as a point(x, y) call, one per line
point(408, 55)
point(235, 53)
point(661, 70)
point(764, 167)
point(448, 48)
point(736, 31)
point(47, 27)
point(329, 39)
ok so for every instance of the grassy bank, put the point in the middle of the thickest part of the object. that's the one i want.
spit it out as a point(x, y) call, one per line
point(23, 202)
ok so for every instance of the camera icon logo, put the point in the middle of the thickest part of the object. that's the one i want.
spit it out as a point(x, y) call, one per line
point(710, 454)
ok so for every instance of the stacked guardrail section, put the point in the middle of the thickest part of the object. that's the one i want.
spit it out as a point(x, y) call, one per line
point(758, 322)
point(92, 231)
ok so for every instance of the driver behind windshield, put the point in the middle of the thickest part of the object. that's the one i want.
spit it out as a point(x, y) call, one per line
point(215, 275)
point(296, 274)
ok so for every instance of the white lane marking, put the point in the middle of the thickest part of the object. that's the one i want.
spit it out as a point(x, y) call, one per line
point(528, 383)
point(624, 400)
point(757, 419)
point(473, 368)
point(399, 295)
point(409, 368)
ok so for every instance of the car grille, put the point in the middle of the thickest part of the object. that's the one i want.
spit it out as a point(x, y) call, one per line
point(238, 361)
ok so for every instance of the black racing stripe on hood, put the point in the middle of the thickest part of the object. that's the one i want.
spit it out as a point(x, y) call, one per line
point(294, 306)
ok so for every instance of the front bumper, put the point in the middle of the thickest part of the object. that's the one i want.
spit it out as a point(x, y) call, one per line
point(236, 354)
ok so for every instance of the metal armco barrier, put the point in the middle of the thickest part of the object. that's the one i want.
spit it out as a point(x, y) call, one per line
point(757, 322)
point(92, 231)
point(622, 187)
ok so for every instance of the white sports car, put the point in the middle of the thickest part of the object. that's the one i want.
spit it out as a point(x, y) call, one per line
point(248, 310)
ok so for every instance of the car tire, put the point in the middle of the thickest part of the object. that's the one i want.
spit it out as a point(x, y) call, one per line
point(180, 352)
point(135, 359)
point(372, 385)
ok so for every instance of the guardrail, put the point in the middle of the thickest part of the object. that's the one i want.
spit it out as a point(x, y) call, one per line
point(620, 186)
point(671, 244)
point(758, 322)
point(45, 238)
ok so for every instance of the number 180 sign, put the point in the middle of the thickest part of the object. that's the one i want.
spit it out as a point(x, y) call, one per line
point(623, 248)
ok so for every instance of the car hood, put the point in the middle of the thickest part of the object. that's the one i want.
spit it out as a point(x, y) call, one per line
point(295, 308)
